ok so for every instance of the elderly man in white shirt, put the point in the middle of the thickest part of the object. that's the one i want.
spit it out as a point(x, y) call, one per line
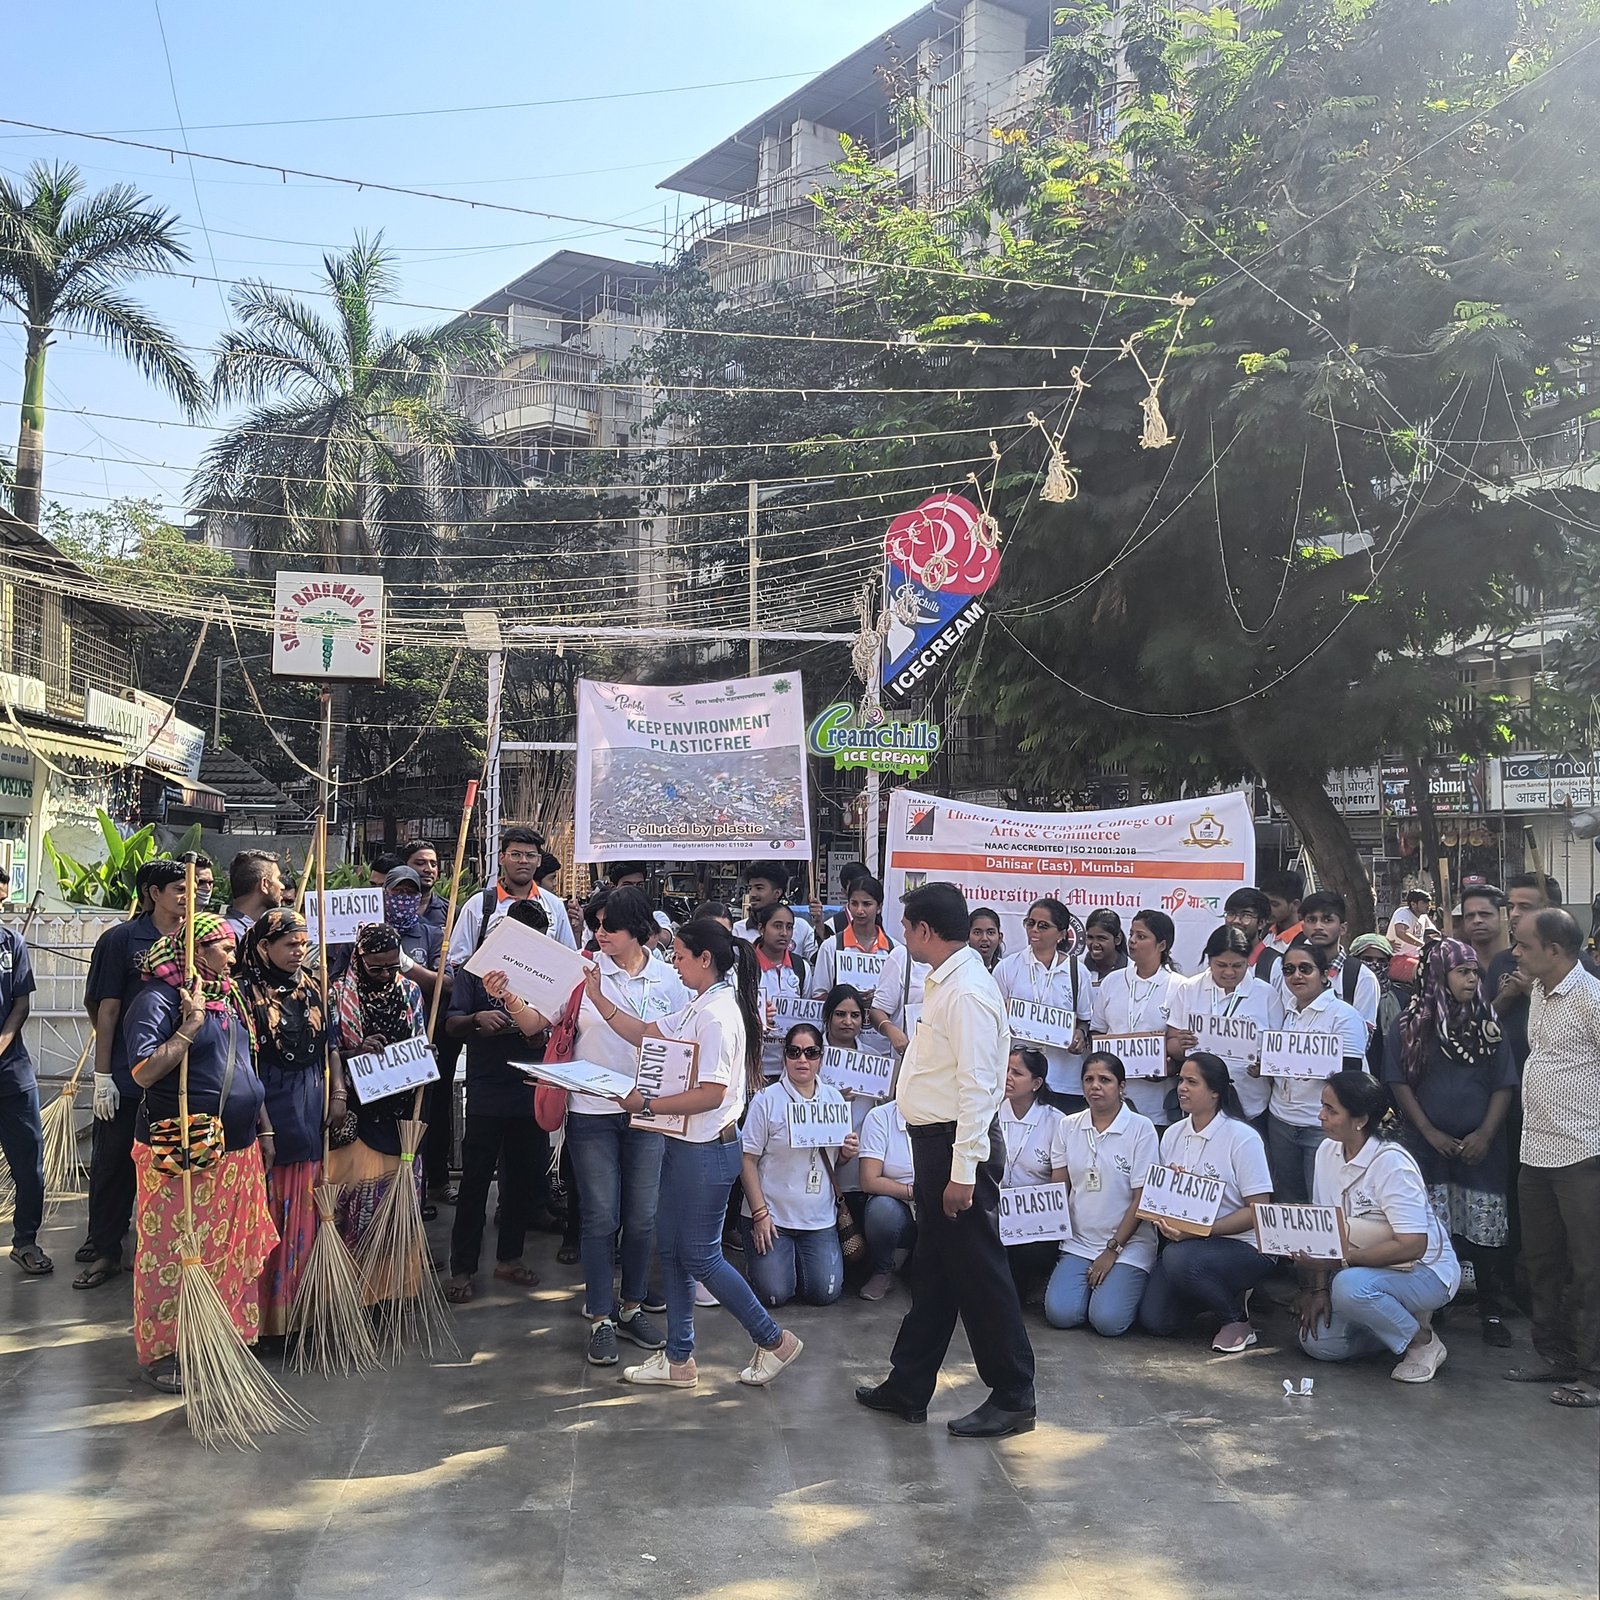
point(951, 1086)
point(1559, 1185)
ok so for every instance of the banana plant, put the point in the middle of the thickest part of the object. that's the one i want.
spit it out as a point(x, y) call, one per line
point(110, 882)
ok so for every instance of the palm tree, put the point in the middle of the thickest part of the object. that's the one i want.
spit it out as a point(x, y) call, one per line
point(62, 261)
point(351, 447)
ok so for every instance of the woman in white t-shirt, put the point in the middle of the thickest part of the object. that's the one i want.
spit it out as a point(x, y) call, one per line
point(1214, 1274)
point(1133, 999)
point(1398, 1266)
point(790, 1216)
point(1238, 1005)
point(1030, 1129)
point(1106, 1152)
point(889, 1223)
point(698, 1167)
point(780, 972)
point(1048, 974)
point(844, 1015)
point(897, 1001)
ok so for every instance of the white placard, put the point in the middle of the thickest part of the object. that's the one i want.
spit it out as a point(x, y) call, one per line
point(1034, 1211)
point(1236, 1039)
point(1143, 1055)
point(1300, 1055)
point(861, 969)
point(580, 1077)
point(1185, 1201)
point(858, 1072)
point(820, 1123)
point(1034, 1023)
point(348, 910)
point(666, 1067)
point(407, 1065)
point(541, 972)
point(1314, 1231)
point(326, 625)
point(788, 1009)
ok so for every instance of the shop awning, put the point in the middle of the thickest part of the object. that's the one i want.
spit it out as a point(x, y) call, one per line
point(55, 746)
point(185, 794)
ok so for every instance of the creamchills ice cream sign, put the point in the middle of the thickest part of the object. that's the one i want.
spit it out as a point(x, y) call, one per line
point(841, 736)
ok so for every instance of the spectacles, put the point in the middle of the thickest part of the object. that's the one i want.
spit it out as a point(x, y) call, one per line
point(1040, 927)
point(1299, 966)
point(805, 1052)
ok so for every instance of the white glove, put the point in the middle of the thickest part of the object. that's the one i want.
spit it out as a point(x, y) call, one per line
point(106, 1097)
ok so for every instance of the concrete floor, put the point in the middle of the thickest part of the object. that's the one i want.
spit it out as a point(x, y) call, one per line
point(1158, 1471)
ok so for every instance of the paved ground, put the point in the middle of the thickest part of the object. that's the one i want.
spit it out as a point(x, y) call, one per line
point(1158, 1471)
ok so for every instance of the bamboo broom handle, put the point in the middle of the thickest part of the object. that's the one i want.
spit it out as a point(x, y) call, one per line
point(319, 849)
point(183, 1062)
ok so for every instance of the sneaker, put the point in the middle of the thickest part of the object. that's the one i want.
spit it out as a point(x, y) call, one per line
point(704, 1297)
point(657, 1371)
point(640, 1330)
point(602, 1344)
point(765, 1365)
point(1233, 1338)
point(1423, 1365)
point(877, 1286)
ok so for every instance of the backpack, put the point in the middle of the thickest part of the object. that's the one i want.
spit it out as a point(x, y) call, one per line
point(1266, 962)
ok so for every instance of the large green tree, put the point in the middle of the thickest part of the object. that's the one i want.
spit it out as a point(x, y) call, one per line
point(64, 259)
point(1387, 215)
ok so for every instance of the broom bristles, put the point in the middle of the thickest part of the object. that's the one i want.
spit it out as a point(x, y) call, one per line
point(397, 1265)
point(228, 1396)
point(63, 1166)
point(328, 1324)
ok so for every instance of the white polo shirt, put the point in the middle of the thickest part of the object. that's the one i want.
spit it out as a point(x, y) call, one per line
point(714, 1022)
point(1254, 1007)
point(1297, 1101)
point(1367, 993)
point(655, 994)
point(794, 1182)
point(804, 942)
point(884, 1138)
point(824, 977)
point(1029, 1141)
point(1122, 1155)
point(899, 995)
point(1066, 985)
point(772, 982)
point(1225, 1148)
point(1127, 1003)
point(1382, 1182)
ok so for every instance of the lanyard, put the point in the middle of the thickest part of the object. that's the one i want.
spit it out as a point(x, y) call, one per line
point(1137, 1002)
point(1232, 1005)
point(1036, 967)
point(1029, 1130)
point(788, 1089)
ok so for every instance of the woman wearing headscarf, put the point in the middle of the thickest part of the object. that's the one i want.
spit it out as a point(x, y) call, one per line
point(204, 1019)
point(1453, 1076)
point(286, 1009)
point(373, 1006)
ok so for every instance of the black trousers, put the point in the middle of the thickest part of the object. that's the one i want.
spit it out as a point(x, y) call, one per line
point(521, 1149)
point(439, 1111)
point(111, 1180)
point(959, 1269)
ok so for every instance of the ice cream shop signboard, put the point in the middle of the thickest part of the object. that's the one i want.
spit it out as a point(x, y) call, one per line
point(328, 626)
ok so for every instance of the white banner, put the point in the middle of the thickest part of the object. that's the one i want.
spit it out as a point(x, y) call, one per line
point(1185, 858)
point(1035, 1023)
point(1185, 1201)
point(788, 1009)
point(1314, 1231)
point(1143, 1055)
point(666, 1067)
point(858, 1072)
point(694, 772)
point(1301, 1055)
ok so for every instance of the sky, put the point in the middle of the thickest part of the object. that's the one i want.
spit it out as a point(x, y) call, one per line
point(170, 71)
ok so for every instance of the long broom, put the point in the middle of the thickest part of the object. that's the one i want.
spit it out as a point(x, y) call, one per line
point(64, 1173)
point(328, 1325)
point(228, 1396)
point(394, 1256)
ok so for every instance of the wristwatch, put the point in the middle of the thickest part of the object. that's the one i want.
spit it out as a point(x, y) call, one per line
point(647, 1110)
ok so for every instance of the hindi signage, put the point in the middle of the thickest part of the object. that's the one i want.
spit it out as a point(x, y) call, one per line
point(1034, 1211)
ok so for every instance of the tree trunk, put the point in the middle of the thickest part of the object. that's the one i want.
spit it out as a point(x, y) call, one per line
point(1326, 838)
point(1430, 853)
point(29, 481)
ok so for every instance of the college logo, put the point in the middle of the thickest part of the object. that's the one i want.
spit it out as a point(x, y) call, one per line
point(920, 825)
point(1205, 832)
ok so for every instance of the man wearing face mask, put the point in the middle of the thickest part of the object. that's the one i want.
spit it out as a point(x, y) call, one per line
point(419, 939)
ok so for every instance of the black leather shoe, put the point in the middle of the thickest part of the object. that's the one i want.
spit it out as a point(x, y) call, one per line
point(880, 1397)
point(990, 1422)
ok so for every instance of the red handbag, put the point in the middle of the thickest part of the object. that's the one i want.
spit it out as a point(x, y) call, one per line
point(549, 1101)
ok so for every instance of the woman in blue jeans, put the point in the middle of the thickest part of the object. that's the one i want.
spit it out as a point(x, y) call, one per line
point(790, 1221)
point(1214, 1274)
point(1398, 1265)
point(698, 1167)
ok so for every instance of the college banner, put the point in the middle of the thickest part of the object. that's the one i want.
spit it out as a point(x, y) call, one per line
point(1185, 858)
point(692, 772)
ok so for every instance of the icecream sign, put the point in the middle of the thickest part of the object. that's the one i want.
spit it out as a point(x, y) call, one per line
point(327, 626)
point(881, 746)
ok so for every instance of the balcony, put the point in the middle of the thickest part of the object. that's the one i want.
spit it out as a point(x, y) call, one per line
point(537, 391)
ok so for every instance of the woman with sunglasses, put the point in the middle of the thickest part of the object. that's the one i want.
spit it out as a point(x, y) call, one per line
point(1294, 1128)
point(1049, 974)
point(790, 1216)
point(780, 972)
point(1135, 998)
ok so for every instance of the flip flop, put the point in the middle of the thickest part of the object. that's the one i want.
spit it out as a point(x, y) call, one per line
point(526, 1277)
point(165, 1378)
point(1575, 1398)
point(33, 1261)
point(1538, 1375)
point(85, 1253)
point(95, 1276)
point(458, 1294)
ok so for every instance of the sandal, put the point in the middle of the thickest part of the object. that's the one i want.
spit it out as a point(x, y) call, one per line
point(1539, 1374)
point(33, 1260)
point(1575, 1397)
point(101, 1272)
point(429, 1212)
point(85, 1253)
point(459, 1291)
point(569, 1255)
point(516, 1273)
point(1496, 1333)
point(164, 1375)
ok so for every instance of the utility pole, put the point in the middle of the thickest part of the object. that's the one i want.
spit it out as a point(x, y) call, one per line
point(755, 643)
point(216, 708)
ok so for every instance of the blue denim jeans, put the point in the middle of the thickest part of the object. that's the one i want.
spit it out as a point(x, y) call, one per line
point(1375, 1308)
point(803, 1263)
point(618, 1170)
point(1292, 1156)
point(888, 1226)
point(22, 1140)
point(1108, 1308)
point(1195, 1275)
point(695, 1179)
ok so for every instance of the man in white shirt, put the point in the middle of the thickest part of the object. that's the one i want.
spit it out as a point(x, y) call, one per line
point(765, 882)
point(521, 850)
point(1410, 925)
point(951, 1087)
point(1559, 1185)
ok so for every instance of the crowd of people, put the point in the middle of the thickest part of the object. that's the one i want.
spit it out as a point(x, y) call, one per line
point(1454, 1120)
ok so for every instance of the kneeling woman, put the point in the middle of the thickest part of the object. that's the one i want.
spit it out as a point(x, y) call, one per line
point(791, 1236)
point(1108, 1149)
point(1398, 1267)
point(1214, 1274)
point(697, 1170)
point(1032, 1133)
point(165, 1019)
